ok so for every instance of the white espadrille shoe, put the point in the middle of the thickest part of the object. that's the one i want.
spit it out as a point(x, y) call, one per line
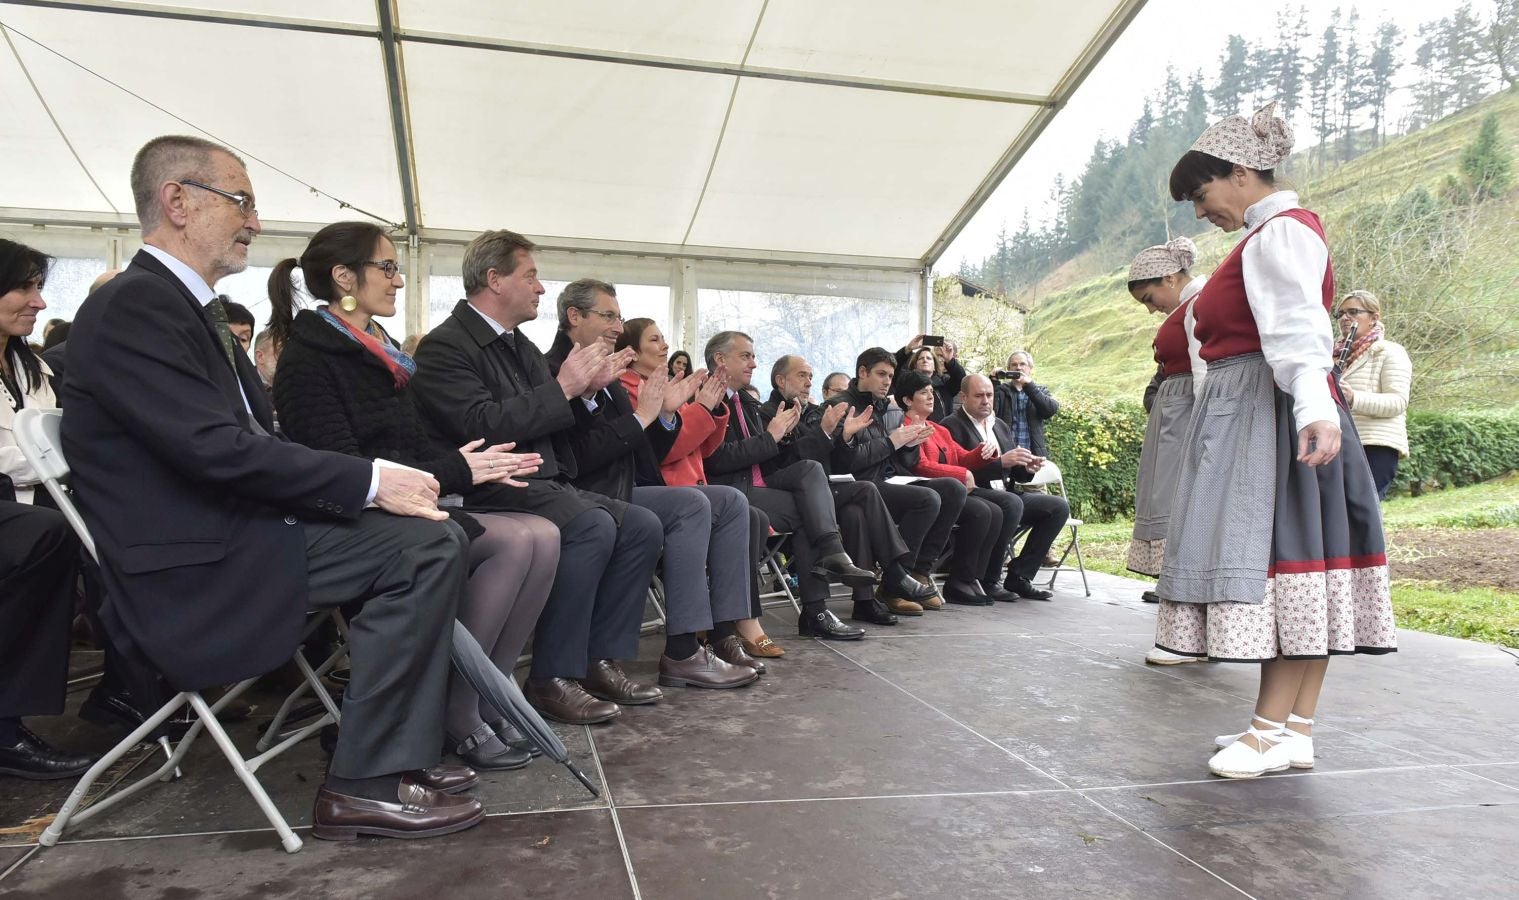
point(1240, 760)
point(1302, 744)
point(1159, 657)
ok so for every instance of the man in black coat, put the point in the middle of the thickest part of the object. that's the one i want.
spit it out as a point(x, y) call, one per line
point(794, 494)
point(1022, 404)
point(870, 535)
point(706, 527)
point(216, 538)
point(973, 425)
point(478, 374)
point(925, 511)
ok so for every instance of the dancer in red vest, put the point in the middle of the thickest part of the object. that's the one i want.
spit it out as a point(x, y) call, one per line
point(1275, 552)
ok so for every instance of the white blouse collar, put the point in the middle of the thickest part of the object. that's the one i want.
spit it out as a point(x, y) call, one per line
point(1263, 210)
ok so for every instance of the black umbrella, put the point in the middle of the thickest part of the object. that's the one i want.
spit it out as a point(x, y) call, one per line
point(502, 693)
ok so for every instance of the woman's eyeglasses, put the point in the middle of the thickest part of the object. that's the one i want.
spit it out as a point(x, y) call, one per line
point(388, 266)
point(1350, 311)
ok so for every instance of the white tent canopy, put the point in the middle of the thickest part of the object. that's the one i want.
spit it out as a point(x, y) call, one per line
point(827, 147)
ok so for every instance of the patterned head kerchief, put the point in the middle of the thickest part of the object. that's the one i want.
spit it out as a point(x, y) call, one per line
point(1175, 255)
point(1260, 142)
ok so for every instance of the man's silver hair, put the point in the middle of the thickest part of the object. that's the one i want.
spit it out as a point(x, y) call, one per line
point(1021, 353)
point(172, 157)
point(721, 342)
point(581, 295)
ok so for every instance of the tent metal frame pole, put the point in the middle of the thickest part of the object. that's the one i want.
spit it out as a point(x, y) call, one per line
point(400, 115)
point(151, 11)
point(1078, 72)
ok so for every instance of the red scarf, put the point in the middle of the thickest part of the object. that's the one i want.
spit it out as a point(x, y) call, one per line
point(373, 345)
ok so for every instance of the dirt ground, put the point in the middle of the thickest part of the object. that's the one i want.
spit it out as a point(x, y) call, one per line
point(1457, 557)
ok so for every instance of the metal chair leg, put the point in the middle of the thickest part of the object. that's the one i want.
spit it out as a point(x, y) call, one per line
point(288, 839)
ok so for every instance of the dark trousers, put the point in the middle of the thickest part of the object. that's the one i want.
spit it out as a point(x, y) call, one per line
point(1005, 528)
point(925, 523)
point(1384, 467)
point(870, 536)
point(405, 575)
point(597, 602)
point(797, 499)
point(39, 556)
point(1044, 516)
point(706, 542)
point(980, 522)
point(759, 538)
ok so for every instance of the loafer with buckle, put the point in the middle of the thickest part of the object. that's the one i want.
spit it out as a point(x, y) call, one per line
point(1025, 588)
point(704, 670)
point(839, 567)
point(606, 680)
point(483, 751)
point(764, 647)
point(511, 737)
point(564, 700)
point(446, 779)
point(731, 650)
point(34, 759)
point(826, 625)
point(417, 812)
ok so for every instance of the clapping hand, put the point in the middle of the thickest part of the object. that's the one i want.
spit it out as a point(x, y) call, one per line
point(679, 391)
point(612, 368)
point(581, 366)
point(856, 420)
point(713, 384)
point(654, 396)
point(832, 416)
point(785, 419)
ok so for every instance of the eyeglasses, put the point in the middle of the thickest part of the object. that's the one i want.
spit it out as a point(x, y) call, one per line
point(1351, 312)
point(606, 314)
point(244, 202)
point(388, 266)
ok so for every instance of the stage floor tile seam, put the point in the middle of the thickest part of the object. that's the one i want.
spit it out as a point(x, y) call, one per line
point(611, 807)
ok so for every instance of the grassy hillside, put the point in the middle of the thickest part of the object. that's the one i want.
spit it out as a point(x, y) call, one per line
point(1090, 338)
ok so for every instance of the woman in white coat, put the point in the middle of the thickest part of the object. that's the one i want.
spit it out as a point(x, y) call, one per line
point(1375, 380)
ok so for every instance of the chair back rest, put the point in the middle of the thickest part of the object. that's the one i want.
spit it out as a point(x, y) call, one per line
point(39, 435)
point(1049, 474)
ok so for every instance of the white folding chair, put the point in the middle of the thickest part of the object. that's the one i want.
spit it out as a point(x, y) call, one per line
point(1049, 476)
point(770, 564)
point(37, 433)
point(656, 599)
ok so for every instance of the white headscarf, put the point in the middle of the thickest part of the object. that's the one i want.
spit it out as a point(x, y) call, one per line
point(1260, 142)
point(1175, 255)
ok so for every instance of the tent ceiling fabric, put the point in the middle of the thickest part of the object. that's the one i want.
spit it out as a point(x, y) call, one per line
point(769, 129)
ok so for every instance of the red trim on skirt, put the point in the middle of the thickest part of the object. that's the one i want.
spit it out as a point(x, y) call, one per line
point(1303, 567)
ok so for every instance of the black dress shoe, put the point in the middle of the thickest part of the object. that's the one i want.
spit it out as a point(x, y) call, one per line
point(606, 680)
point(874, 613)
point(953, 593)
point(484, 752)
point(119, 710)
point(908, 588)
point(998, 592)
point(34, 759)
point(511, 737)
point(826, 625)
point(1025, 589)
point(1150, 597)
point(839, 567)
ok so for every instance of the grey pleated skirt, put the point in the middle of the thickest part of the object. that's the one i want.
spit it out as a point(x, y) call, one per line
point(1160, 461)
point(1265, 556)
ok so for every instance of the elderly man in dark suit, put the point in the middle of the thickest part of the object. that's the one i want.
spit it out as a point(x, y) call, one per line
point(975, 424)
point(477, 374)
point(217, 538)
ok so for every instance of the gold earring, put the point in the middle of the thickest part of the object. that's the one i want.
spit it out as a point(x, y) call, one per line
point(348, 304)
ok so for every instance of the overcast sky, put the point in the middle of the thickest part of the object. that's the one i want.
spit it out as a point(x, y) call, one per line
point(1187, 34)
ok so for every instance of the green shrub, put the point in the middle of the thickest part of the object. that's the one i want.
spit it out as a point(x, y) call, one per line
point(1097, 448)
point(1451, 449)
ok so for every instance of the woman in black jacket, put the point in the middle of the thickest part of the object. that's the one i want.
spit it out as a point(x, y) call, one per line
point(342, 386)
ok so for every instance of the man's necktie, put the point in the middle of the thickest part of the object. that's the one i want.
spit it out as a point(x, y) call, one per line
point(223, 330)
point(743, 429)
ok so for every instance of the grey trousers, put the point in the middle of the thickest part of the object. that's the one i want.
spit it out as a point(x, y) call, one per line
point(706, 538)
point(405, 576)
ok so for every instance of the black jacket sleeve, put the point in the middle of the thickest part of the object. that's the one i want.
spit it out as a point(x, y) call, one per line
point(736, 452)
point(452, 391)
point(1045, 406)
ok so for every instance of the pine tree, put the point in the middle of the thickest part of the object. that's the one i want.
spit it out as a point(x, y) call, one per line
point(1233, 77)
point(1380, 70)
point(1349, 88)
point(1285, 79)
point(1321, 84)
point(1462, 34)
point(1500, 41)
point(1486, 164)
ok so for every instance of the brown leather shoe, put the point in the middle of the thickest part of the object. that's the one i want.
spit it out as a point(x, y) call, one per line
point(704, 670)
point(731, 650)
point(446, 778)
point(417, 812)
point(606, 679)
point(935, 602)
point(903, 607)
point(564, 700)
point(764, 647)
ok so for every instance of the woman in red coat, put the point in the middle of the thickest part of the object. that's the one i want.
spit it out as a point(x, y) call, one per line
point(704, 421)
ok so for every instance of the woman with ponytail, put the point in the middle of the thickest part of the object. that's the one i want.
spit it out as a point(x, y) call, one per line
point(1274, 553)
point(341, 385)
point(1161, 279)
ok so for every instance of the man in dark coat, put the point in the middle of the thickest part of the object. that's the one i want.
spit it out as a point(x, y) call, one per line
point(974, 424)
point(478, 374)
point(216, 538)
point(706, 527)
